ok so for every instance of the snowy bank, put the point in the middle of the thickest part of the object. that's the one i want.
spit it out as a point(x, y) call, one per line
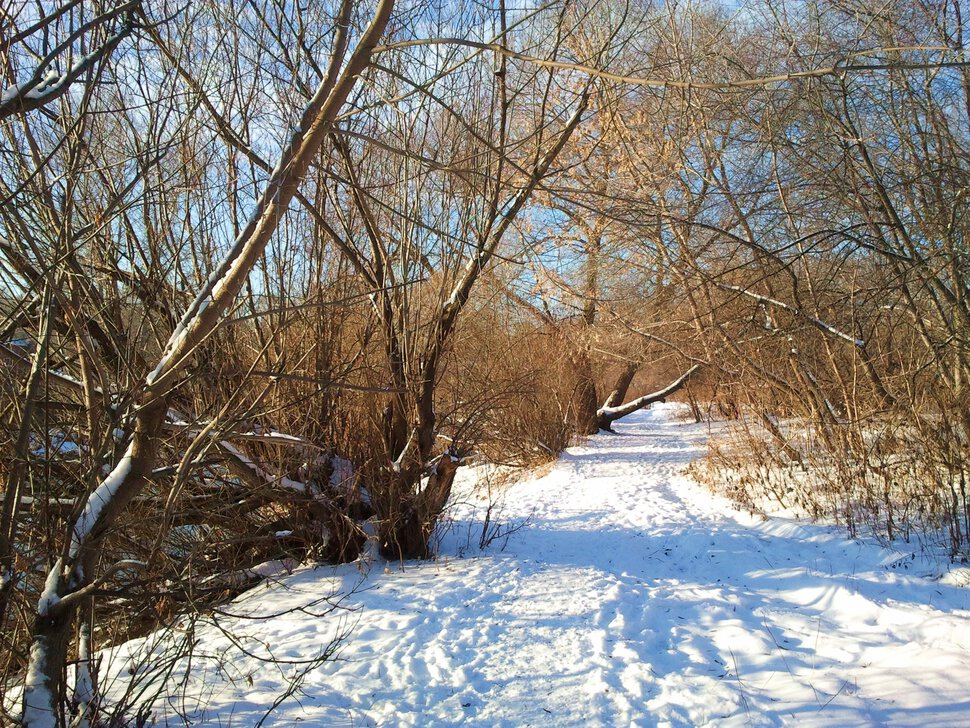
point(630, 596)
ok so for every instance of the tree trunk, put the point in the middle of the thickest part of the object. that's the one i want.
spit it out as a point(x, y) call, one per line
point(585, 405)
point(606, 416)
point(584, 401)
point(407, 526)
point(346, 539)
point(695, 408)
point(622, 385)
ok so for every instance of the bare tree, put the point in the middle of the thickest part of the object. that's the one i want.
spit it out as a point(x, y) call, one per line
point(74, 578)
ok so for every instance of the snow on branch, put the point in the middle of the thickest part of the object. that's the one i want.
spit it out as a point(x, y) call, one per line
point(238, 458)
point(98, 499)
point(46, 84)
point(817, 323)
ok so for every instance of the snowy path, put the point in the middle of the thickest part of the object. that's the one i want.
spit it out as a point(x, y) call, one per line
point(632, 597)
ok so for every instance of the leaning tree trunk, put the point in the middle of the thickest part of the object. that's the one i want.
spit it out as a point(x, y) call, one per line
point(783, 442)
point(607, 415)
point(622, 385)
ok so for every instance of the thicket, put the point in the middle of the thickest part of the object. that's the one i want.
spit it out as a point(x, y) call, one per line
point(271, 273)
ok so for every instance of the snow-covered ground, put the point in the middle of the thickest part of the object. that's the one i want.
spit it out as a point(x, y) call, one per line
point(631, 596)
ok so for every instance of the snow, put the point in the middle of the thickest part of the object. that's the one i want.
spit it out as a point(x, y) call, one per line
point(957, 577)
point(625, 594)
point(53, 82)
point(268, 435)
point(172, 347)
point(61, 443)
point(342, 475)
point(10, 94)
point(282, 481)
point(49, 597)
point(818, 323)
point(37, 695)
point(98, 499)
